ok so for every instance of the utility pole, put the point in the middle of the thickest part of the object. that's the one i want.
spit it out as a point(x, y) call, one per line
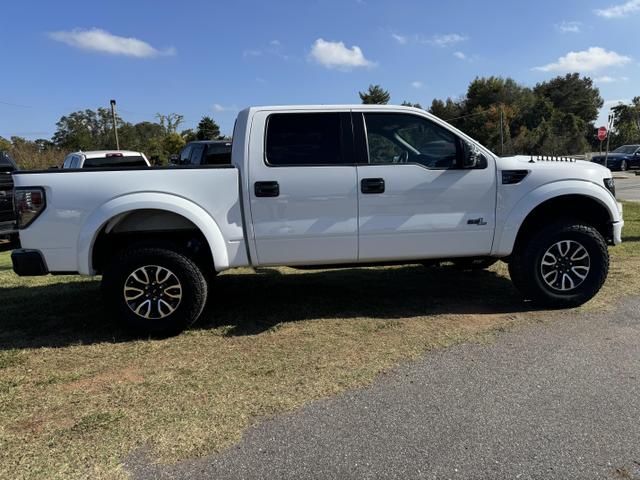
point(115, 127)
point(502, 131)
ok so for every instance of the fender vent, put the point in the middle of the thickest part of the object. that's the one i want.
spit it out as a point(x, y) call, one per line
point(511, 177)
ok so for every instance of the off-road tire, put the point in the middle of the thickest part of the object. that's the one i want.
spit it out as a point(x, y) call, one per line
point(193, 289)
point(525, 264)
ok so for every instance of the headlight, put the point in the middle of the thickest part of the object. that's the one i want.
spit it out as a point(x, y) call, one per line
point(610, 185)
point(30, 202)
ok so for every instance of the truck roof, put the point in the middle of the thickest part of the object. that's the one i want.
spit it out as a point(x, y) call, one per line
point(353, 106)
point(104, 153)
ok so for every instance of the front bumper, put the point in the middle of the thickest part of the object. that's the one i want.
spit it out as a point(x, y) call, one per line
point(28, 263)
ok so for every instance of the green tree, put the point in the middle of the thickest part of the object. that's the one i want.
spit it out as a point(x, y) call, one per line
point(208, 129)
point(5, 145)
point(86, 130)
point(170, 122)
point(572, 94)
point(626, 123)
point(375, 94)
point(409, 104)
point(173, 143)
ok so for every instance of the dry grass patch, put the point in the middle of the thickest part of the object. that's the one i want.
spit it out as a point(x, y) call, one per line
point(78, 396)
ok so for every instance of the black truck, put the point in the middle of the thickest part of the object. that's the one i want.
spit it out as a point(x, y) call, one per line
point(8, 231)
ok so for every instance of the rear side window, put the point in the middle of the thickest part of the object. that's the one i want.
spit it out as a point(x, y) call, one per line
point(304, 139)
point(218, 154)
point(124, 161)
point(196, 154)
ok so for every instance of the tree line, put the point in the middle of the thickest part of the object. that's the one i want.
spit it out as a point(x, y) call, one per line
point(93, 130)
point(555, 117)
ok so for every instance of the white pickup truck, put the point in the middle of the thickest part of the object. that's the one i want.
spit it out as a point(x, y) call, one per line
point(316, 186)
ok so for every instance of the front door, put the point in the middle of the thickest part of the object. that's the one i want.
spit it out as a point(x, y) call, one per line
point(302, 180)
point(415, 200)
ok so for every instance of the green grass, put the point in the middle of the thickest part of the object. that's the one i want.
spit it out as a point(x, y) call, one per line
point(77, 395)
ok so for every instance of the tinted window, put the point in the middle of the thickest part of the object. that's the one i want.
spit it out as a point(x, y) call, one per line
point(196, 154)
point(184, 155)
point(402, 138)
point(218, 154)
point(124, 161)
point(304, 139)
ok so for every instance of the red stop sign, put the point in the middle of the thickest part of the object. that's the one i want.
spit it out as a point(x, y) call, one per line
point(602, 134)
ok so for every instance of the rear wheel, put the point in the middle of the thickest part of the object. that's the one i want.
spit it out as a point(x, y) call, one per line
point(564, 265)
point(155, 290)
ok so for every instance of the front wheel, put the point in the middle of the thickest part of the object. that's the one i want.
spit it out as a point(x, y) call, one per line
point(154, 290)
point(564, 265)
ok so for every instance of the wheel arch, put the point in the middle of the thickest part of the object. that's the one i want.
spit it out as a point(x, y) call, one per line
point(179, 213)
point(582, 200)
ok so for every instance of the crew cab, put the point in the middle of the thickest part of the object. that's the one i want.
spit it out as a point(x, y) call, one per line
point(105, 159)
point(319, 186)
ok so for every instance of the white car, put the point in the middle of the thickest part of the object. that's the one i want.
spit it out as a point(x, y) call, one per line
point(105, 159)
point(315, 186)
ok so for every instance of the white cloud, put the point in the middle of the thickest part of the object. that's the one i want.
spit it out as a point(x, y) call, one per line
point(401, 39)
point(569, 27)
point(608, 79)
point(99, 40)
point(221, 108)
point(337, 55)
point(460, 55)
point(417, 84)
point(620, 10)
point(447, 40)
point(593, 59)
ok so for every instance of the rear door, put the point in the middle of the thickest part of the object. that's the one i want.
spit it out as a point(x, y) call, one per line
point(303, 195)
point(415, 201)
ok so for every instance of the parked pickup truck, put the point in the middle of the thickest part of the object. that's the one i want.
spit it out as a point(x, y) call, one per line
point(318, 186)
point(8, 228)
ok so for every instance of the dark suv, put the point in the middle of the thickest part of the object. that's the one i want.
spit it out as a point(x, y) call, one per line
point(7, 212)
point(206, 152)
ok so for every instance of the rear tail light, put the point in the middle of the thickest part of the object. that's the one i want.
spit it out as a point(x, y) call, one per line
point(30, 202)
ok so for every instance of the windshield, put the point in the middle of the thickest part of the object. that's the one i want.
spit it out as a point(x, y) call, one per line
point(626, 149)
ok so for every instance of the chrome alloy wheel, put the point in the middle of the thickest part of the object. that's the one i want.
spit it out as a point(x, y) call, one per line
point(153, 292)
point(565, 265)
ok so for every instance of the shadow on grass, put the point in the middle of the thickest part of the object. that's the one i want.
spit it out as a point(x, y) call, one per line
point(247, 304)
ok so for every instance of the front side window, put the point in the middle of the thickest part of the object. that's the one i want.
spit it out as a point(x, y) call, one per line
point(304, 139)
point(402, 138)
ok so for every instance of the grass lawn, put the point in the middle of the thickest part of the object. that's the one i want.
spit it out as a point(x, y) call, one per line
point(78, 396)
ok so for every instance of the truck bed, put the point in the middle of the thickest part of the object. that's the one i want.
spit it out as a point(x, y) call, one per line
point(80, 203)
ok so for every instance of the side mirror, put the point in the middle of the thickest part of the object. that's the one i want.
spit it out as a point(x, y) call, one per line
point(471, 155)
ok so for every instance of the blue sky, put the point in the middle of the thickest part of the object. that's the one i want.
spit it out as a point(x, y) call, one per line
point(214, 58)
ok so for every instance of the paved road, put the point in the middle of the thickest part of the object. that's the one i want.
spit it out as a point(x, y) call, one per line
point(544, 401)
point(627, 186)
